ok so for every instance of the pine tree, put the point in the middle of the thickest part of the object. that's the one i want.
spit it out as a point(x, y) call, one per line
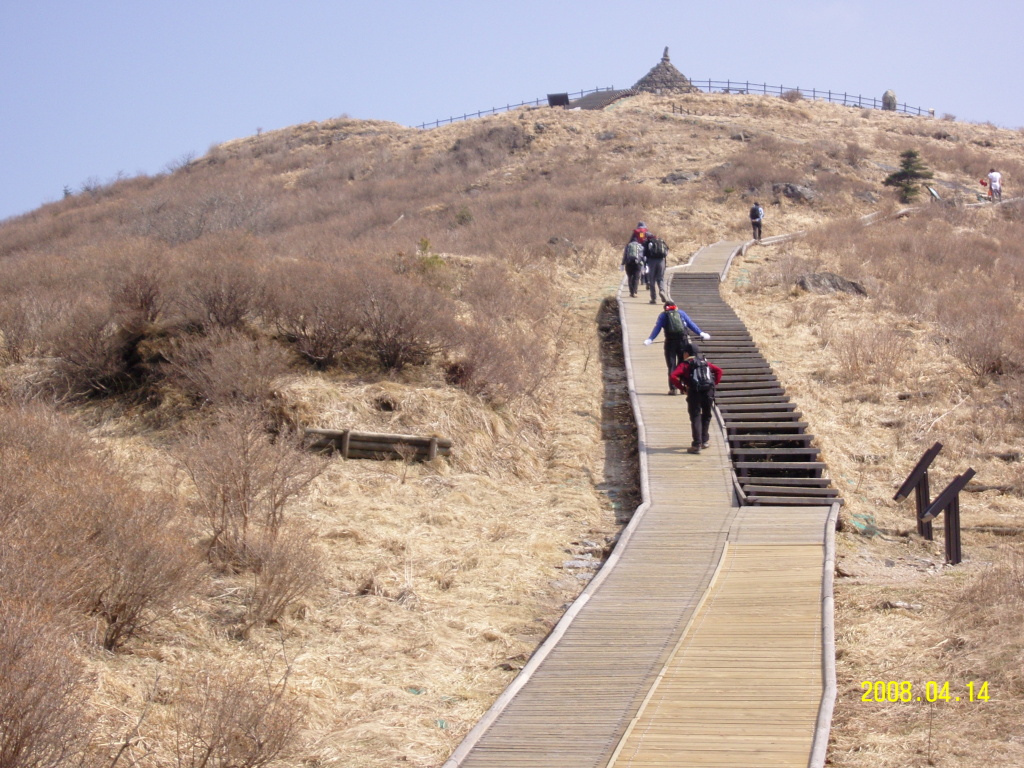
point(912, 169)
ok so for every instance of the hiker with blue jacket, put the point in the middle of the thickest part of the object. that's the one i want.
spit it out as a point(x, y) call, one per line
point(674, 322)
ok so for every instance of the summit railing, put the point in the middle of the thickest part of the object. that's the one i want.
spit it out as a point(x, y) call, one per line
point(715, 86)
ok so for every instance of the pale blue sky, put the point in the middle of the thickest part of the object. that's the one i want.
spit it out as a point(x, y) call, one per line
point(91, 88)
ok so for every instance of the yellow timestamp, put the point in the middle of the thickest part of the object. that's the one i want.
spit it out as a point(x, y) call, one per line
point(905, 691)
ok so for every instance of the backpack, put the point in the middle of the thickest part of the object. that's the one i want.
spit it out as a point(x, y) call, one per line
point(700, 378)
point(756, 213)
point(634, 252)
point(674, 328)
point(656, 248)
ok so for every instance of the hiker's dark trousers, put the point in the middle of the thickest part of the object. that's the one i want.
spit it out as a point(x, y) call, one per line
point(674, 346)
point(756, 225)
point(633, 271)
point(656, 277)
point(699, 406)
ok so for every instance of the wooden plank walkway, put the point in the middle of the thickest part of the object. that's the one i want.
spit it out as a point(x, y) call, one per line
point(699, 641)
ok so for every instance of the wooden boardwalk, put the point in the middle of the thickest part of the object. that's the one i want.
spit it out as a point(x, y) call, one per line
point(700, 640)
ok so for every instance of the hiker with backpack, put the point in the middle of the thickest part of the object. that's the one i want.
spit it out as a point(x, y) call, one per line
point(697, 378)
point(656, 254)
point(756, 217)
point(674, 322)
point(633, 263)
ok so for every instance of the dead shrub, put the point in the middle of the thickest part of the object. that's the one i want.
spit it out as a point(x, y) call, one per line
point(92, 540)
point(792, 96)
point(91, 354)
point(238, 718)
point(977, 329)
point(243, 480)
point(403, 321)
point(223, 292)
point(137, 286)
point(314, 307)
point(43, 718)
point(500, 364)
point(225, 368)
point(288, 568)
point(145, 566)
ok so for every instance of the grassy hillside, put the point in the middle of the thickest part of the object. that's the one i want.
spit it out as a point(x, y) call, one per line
point(178, 572)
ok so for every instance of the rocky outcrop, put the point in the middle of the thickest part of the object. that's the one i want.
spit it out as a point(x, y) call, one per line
point(665, 79)
point(829, 282)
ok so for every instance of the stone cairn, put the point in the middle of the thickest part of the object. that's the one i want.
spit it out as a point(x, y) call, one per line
point(665, 79)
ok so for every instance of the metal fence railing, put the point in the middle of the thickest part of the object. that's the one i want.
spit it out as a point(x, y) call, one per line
point(507, 107)
point(835, 97)
point(717, 86)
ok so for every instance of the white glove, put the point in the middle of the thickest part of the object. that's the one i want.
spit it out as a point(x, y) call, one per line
point(704, 335)
point(648, 342)
point(621, 267)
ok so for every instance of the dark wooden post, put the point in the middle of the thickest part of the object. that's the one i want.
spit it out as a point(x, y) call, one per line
point(345, 437)
point(432, 451)
point(949, 502)
point(918, 481)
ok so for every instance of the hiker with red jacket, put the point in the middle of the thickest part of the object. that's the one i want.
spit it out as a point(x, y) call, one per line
point(698, 379)
point(674, 322)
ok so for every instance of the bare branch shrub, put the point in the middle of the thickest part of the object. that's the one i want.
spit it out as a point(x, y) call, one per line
point(315, 306)
point(289, 568)
point(136, 285)
point(91, 540)
point(243, 481)
point(226, 367)
point(43, 696)
point(792, 96)
point(218, 288)
point(91, 354)
point(240, 718)
point(977, 329)
point(404, 321)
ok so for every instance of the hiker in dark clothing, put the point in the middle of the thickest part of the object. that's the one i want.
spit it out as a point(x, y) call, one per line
point(756, 219)
point(697, 378)
point(633, 264)
point(656, 254)
point(674, 322)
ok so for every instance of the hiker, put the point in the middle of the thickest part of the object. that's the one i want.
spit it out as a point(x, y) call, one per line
point(640, 236)
point(656, 254)
point(633, 264)
point(995, 185)
point(756, 217)
point(697, 378)
point(674, 322)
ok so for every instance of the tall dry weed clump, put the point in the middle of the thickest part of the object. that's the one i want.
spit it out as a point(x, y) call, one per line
point(931, 267)
point(988, 613)
point(81, 538)
point(243, 481)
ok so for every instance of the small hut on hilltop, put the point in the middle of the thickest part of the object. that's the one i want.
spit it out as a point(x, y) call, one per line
point(665, 79)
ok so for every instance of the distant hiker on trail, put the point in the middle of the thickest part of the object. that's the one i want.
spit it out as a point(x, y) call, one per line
point(633, 263)
point(656, 253)
point(995, 185)
point(756, 217)
point(674, 322)
point(639, 234)
point(698, 379)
